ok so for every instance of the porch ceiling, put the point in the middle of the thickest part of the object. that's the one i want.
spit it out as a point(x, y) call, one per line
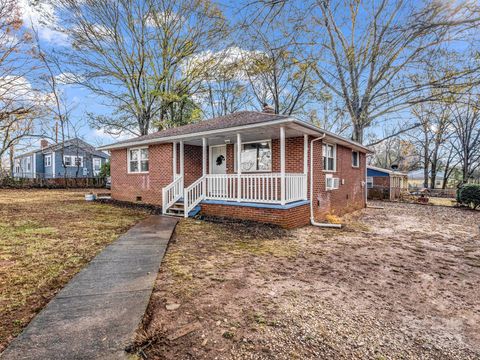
point(253, 134)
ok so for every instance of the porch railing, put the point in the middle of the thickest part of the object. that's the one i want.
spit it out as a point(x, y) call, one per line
point(172, 193)
point(193, 195)
point(259, 188)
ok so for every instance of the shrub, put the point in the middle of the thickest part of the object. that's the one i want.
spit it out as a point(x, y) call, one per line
point(469, 195)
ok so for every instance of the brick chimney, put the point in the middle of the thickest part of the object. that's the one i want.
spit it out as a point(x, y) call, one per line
point(43, 144)
point(268, 109)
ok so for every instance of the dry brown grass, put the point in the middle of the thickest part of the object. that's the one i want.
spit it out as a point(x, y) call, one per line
point(394, 283)
point(47, 236)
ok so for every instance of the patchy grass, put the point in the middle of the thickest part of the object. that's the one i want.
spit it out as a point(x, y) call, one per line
point(397, 282)
point(47, 236)
point(442, 201)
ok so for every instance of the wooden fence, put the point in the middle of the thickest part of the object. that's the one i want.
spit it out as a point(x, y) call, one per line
point(56, 183)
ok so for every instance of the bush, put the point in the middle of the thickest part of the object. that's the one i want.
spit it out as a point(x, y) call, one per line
point(469, 195)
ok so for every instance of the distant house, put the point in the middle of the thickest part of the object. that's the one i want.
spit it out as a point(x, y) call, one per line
point(73, 158)
point(385, 183)
point(416, 179)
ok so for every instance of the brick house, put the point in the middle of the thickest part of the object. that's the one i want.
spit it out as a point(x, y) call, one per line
point(290, 172)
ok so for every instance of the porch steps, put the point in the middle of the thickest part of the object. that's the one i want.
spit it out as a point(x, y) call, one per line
point(178, 210)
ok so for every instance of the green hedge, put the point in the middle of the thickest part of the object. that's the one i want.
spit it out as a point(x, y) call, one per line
point(469, 195)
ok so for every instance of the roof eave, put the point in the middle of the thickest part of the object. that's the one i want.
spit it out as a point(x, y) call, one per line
point(239, 128)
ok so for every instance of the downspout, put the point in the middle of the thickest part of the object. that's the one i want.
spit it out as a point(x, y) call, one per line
point(312, 219)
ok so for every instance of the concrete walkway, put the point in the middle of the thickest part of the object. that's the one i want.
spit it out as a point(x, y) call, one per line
point(97, 313)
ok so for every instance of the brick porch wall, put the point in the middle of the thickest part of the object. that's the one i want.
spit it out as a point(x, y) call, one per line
point(289, 218)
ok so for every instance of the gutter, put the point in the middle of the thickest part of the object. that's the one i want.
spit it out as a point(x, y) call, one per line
point(312, 218)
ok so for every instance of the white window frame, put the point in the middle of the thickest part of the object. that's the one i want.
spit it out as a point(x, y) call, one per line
point(334, 157)
point(358, 159)
point(370, 181)
point(73, 160)
point(253, 142)
point(99, 160)
point(331, 183)
point(138, 161)
point(48, 160)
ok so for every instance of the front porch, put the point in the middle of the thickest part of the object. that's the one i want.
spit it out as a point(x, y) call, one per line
point(243, 168)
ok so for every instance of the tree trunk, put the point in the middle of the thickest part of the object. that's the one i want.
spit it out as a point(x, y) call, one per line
point(357, 134)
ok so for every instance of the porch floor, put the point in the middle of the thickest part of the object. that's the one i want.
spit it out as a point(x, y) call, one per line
point(257, 205)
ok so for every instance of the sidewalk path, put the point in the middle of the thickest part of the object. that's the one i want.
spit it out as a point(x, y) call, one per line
point(96, 314)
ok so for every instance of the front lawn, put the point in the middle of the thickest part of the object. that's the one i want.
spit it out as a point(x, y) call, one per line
point(46, 236)
point(396, 283)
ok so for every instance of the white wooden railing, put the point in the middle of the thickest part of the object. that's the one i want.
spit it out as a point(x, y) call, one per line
point(295, 187)
point(258, 188)
point(172, 193)
point(193, 195)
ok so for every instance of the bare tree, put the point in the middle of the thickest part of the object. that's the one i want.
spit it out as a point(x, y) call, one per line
point(16, 95)
point(276, 67)
point(369, 52)
point(132, 54)
point(466, 125)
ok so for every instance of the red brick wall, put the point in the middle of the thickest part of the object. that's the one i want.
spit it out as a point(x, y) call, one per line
point(351, 193)
point(381, 181)
point(289, 218)
point(128, 187)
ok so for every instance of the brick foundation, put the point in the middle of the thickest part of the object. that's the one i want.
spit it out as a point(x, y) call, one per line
point(286, 218)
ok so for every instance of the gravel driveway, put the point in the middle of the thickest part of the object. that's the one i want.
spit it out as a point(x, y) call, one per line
point(399, 282)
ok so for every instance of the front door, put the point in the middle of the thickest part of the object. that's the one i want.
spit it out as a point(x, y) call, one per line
point(218, 159)
point(217, 187)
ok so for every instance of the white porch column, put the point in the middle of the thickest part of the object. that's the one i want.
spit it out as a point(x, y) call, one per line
point(174, 160)
point(305, 166)
point(282, 164)
point(182, 170)
point(239, 170)
point(204, 156)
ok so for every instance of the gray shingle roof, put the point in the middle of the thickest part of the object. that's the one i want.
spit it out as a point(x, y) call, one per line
point(71, 142)
point(222, 122)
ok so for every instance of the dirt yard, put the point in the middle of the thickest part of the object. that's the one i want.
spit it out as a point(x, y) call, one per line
point(47, 236)
point(397, 283)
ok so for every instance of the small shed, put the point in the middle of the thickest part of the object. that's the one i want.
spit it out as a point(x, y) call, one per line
point(385, 183)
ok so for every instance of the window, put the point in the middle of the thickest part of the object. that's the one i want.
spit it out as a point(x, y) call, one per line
point(329, 155)
point(355, 159)
point(256, 156)
point(331, 183)
point(18, 168)
point(72, 160)
point(138, 160)
point(97, 163)
point(48, 160)
point(28, 164)
point(369, 182)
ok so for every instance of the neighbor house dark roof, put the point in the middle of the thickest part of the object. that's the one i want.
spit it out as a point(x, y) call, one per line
point(240, 118)
point(70, 142)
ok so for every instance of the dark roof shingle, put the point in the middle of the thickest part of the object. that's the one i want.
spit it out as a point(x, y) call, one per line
point(240, 118)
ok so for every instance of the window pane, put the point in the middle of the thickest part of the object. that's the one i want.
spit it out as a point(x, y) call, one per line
point(133, 155)
point(249, 157)
point(330, 164)
point(133, 166)
point(144, 165)
point(355, 158)
point(256, 156)
point(264, 157)
point(67, 160)
point(144, 154)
